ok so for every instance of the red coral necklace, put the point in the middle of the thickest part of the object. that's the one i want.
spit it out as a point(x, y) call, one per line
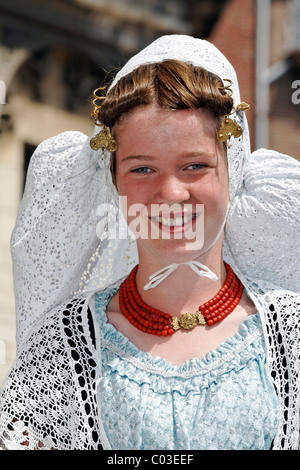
point(153, 321)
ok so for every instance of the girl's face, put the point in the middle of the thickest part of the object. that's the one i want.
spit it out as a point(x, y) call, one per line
point(173, 173)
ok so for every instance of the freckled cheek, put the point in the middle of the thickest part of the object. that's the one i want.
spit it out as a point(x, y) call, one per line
point(135, 193)
point(129, 187)
point(135, 199)
point(214, 196)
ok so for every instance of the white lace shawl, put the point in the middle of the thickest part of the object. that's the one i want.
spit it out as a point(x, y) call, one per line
point(57, 255)
point(51, 396)
point(43, 392)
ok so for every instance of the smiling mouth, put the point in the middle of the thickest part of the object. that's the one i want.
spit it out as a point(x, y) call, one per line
point(175, 221)
point(175, 224)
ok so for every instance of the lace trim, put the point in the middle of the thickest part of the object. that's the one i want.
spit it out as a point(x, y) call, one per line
point(188, 373)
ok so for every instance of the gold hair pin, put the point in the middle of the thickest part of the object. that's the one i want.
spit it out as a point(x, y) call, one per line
point(229, 128)
point(103, 139)
point(243, 106)
point(227, 87)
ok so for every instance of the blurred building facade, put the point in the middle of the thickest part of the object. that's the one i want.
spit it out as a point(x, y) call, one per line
point(54, 53)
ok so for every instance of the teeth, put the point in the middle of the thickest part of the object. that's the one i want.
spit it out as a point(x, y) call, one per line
point(177, 221)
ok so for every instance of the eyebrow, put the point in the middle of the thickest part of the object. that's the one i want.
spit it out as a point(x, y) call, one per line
point(185, 156)
point(136, 157)
point(199, 153)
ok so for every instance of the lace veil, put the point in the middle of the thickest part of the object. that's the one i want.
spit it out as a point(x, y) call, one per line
point(63, 242)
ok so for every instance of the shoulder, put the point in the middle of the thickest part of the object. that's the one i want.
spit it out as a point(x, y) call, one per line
point(53, 380)
point(64, 326)
point(59, 351)
point(274, 303)
point(269, 291)
point(279, 310)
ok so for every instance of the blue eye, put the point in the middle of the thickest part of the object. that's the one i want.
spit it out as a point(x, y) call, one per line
point(142, 169)
point(196, 166)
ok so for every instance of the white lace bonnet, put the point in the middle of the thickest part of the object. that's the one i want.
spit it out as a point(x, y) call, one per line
point(60, 245)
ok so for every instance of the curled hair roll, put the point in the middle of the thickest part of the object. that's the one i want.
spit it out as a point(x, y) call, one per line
point(171, 84)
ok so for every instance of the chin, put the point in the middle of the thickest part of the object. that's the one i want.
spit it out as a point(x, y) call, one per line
point(170, 251)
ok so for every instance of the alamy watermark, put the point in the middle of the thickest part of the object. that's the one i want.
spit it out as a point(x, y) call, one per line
point(2, 92)
point(157, 221)
point(296, 93)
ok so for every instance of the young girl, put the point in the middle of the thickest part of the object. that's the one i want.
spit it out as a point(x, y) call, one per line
point(185, 336)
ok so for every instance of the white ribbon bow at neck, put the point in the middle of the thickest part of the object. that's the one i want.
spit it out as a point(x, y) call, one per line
point(163, 273)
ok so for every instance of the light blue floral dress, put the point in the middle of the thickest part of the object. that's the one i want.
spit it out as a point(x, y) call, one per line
point(224, 401)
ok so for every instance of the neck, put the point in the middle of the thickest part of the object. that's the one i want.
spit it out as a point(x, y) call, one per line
point(183, 290)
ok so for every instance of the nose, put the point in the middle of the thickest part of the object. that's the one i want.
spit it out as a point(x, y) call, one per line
point(170, 189)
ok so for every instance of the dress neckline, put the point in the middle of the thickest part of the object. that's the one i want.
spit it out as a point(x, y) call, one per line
point(249, 330)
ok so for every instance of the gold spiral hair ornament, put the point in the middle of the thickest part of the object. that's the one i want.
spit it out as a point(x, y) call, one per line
point(227, 87)
point(103, 139)
point(229, 128)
